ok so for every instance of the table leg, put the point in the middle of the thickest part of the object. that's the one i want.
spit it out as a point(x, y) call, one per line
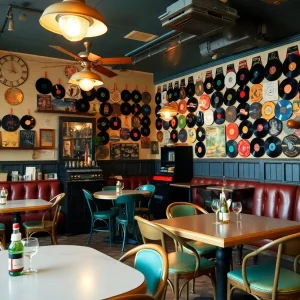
point(223, 256)
point(17, 218)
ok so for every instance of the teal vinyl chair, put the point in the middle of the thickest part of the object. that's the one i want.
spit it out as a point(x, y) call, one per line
point(270, 281)
point(107, 217)
point(126, 215)
point(152, 261)
point(2, 234)
point(145, 211)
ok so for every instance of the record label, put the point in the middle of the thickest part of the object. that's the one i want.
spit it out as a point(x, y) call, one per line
point(291, 145)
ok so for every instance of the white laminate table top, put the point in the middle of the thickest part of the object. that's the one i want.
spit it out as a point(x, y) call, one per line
point(69, 273)
point(113, 195)
point(24, 205)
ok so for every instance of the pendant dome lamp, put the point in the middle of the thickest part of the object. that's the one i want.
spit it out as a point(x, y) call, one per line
point(167, 112)
point(73, 19)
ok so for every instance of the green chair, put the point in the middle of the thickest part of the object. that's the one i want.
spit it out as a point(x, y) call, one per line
point(107, 217)
point(269, 281)
point(182, 265)
point(152, 261)
point(140, 210)
point(126, 215)
point(2, 234)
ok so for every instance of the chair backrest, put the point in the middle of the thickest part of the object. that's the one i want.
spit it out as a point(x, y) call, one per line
point(56, 206)
point(182, 209)
point(152, 261)
point(90, 202)
point(109, 188)
point(147, 187)
point(130, 202)
point(134, 297)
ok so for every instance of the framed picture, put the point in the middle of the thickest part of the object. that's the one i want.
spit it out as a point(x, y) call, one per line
point(124, 151)
point(215, 141)
point(47, 138)
point(44, 102)
point(27, 138)
point(154, 147)
point(145, 142)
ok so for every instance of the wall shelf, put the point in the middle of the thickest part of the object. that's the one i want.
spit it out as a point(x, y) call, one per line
point(61, 112)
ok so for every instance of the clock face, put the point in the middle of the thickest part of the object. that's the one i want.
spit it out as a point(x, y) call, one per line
point(13, 70)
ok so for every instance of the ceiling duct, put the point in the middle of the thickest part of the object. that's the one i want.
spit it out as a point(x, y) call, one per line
point(241, 38)
point(199, 17)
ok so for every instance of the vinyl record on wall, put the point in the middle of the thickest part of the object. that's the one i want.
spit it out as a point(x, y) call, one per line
point(103, 124)
point(273, 146)
point(135, 134)
point(260, 128)
point(288, 88)
point(125, 109)
point(219, 116)
point(208, 86)
point(104, 137)
point(230, 114)
point(243, 111)
point(231, 149)
point(157, 98)
point(242, 94)
point(242, 76)
point(273, 69)
point(291, 145)
point(182, 135)
point(216, 100)
point(174, 136)
point(103, 94)
point(200, 149)
point(158, 123)
point(291, 66)
point(275, 127)
point(174, 122)
point(257, 147)
point(145, 131)
point(255, 110)
point(89, 95)
point(257, 73)
point(146, 122)
point(230, 97)
point(27, 122)
point(245, 129)
point(219, 82)
point(200, 134)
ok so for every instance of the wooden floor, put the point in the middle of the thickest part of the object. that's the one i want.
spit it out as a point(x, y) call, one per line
point(203, 285)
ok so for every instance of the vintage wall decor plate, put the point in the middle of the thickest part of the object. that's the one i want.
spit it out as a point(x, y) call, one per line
point(275, 127)
point(13, 96)
point(230, 114)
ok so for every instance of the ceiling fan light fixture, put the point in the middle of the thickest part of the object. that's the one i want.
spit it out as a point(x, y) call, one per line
point(167, 113)
point(86, 79)
point(73, 19)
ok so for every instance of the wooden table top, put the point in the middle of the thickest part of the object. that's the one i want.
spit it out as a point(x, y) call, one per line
point(113, 195)
point(24, 205)
point(189, 185)
point(229, 188)
point(252, 228)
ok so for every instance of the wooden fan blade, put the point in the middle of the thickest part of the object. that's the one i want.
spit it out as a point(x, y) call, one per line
point(93, 57)
point(63, 50)
point(115, 61)
point(64, 65)
point(104, 71)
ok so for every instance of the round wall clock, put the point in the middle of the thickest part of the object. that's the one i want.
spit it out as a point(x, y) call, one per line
point(13, 70)
point(70, 70)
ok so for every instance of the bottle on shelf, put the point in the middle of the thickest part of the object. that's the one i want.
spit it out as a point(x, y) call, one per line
point(118, 187)
point(3, 197)
point(224, 209)
point(15, 253)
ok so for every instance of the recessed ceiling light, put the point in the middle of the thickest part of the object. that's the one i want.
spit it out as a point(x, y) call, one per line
point(140, 36)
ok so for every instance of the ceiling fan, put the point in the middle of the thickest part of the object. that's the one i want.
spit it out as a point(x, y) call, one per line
point(92, 61)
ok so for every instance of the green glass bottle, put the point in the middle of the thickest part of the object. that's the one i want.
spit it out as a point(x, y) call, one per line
point(15, 253)
point(224, 210)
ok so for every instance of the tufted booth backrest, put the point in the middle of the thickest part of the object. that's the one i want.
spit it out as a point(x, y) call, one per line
point(131, 183)
point(274, 200)
point(296, 215)
point(44, 189)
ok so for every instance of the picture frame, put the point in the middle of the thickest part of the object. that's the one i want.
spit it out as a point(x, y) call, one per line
point(27, 138)
point(44, 102)
point(154, 147)
point(124, 151)
point(47, 138)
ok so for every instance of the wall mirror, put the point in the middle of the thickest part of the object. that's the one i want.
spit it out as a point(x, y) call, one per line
point(75, 136)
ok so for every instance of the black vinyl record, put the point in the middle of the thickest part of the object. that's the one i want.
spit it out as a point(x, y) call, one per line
point(192, 104)
point(242, 94)
point(103, 94)
point(58, 91)
point(135, 134)
point(260, 128)
point(218, 82)
point(125, 109)
point(230, 97)
point(275, 127)
point(135, 109)
point(115, 123)
point(242, 76)
point(104, 137)
point(82, 105)
point(158, 98)
point(190, 90)
point(125, 95)
point(157, 109)
point(89, 95)
point(200, 134)
point(273, 146)
point(43, 86)
point(174, 136)
point(291, 145)
point(170, 95)
point(257, 73)
point(182, 93)
point(158, 123)
point(291, 66)
point(146, 122)
point(182, 135)
point(200, 119)
point(200, 149)
point(273, 69)
point(145, 131)
point(243, 111)
point(257, 148)
point(191, 120)
point(175, 94)
point(208, 85)
point(136, 96)
point(146, 110)
point(245, 129)
point(27, 122)
point(216, 99)
point(219, 115)
point(174, 122)
point(103, 124)
point(255, 110)
point(166, 125)
point(231, 148)
point(288, 88)
point(106, 109)
point(10, 123)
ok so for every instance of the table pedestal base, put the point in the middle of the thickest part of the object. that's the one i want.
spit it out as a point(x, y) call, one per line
point(17, 218)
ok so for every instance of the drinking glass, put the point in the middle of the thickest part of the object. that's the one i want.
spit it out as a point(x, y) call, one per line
point(237, 208)
point(31, 247)
point(215, 206)
point(224, 181)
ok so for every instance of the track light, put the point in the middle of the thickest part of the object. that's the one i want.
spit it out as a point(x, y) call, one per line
point(11, 23)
